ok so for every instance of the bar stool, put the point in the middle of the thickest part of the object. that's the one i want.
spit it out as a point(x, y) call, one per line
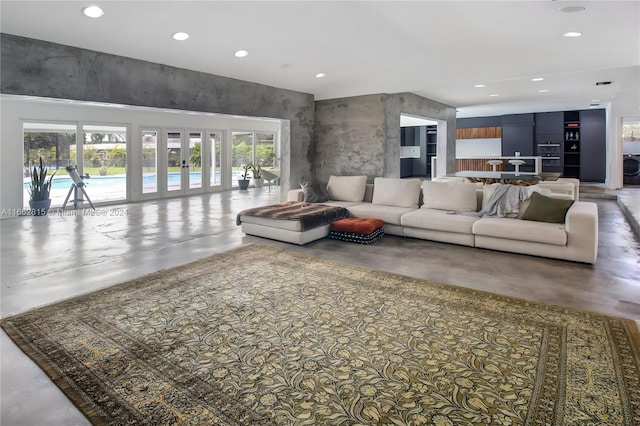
point(494, 164)
point(517, 164)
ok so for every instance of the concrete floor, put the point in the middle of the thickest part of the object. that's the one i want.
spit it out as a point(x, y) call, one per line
point(52, 258)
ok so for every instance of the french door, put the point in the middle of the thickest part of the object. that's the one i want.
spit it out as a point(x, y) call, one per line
point(184, 162)
point(180, 162)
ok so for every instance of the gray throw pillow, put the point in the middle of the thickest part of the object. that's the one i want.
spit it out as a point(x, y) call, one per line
point(546, 209)
point(314, 192)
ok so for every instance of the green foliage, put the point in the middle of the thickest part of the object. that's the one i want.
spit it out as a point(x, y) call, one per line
point(242, 154)
point(196, 155)
point(265, 154)
point(40, 186)
point(117, 157)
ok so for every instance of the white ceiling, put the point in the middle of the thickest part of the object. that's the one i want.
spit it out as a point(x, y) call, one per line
point(435, 49)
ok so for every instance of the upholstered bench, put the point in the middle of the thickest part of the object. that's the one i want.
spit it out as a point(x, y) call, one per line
point(357, 230)
point(291, 222)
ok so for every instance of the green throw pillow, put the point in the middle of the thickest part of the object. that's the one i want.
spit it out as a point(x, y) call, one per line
point(546, 209)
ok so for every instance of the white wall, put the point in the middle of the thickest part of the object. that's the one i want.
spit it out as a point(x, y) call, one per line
point(469, 148)
point(15, 110)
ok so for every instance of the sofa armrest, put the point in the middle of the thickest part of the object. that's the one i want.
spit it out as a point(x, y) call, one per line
point(565, 190)
point(295, 195)
point(581, 225)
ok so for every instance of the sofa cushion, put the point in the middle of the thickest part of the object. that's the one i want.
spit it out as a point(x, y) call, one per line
point(347, 188)
point(439, 220)
point(460, 197)
point(516, 229)
point(546, 209)
point(388, 214)
point(396, 192)
point(314, 192)
point(356, 225)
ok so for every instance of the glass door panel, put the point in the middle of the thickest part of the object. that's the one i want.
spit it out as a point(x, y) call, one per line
point(266, 150)
point(193, 158)
point(104, 159)
point(215, 157)
point(174, 163)
point(241, 154)
point(150, 161)
point(56, 145)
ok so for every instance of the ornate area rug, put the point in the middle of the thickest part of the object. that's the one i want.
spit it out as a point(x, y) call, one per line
point(260, 335)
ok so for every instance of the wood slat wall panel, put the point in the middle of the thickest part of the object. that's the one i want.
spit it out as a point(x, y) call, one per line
point(479, 133)
point(476, 164)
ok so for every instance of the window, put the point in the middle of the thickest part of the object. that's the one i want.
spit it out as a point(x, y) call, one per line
point(253, 148)
point(56, 145)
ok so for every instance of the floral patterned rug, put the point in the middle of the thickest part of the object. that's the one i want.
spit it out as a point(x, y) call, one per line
point(260, 335)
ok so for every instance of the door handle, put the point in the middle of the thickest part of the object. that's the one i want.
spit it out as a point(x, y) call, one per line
point(184, 164)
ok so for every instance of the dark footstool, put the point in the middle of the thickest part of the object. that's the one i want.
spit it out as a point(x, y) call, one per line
point(357, 230)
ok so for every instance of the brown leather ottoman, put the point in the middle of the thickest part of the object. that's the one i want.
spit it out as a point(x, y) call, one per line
point(357, 230)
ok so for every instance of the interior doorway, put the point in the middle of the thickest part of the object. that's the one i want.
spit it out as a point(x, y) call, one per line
point(418, 146)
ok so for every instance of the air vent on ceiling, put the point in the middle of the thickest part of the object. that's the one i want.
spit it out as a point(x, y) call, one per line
point(593, 105)
point(603, 83)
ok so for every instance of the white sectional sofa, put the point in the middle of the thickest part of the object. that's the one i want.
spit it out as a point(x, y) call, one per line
point(444, 211)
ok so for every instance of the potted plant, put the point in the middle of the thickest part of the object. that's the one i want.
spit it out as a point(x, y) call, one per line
point(243, 182)
point(39, 190)
point(258, 177)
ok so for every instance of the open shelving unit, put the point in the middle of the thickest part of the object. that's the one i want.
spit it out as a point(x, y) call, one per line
point(432, 141)
point(571, 167)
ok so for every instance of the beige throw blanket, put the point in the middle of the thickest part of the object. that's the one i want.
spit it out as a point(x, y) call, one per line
point(504, 202)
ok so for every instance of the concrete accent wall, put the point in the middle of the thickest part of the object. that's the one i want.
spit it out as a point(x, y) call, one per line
point(409, 103)
point(361, 135)
point(349, 137)
point(44, 69)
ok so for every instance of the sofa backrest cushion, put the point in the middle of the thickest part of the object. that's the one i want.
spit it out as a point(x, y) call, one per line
point(347, 188)
point(459, 197)
point(396, 192)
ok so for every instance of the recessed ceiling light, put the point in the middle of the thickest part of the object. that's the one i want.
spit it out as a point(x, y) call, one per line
point(241, 53)
point(537, 79)
point(493, 95)
point(543, 90)
point(595, 100)
point(571, 9)
point(93, 12)
point(572, 34)
point(180, 36)
point(479, 85)
point(321, 75)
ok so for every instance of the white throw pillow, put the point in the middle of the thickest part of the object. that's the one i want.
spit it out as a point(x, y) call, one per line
point(396, 192)
point(459, 197)
point(347, 188)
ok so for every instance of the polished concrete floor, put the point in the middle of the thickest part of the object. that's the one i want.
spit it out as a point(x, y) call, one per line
point(59, 256)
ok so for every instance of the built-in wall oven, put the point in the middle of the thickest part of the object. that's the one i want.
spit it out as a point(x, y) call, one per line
point(551, 153)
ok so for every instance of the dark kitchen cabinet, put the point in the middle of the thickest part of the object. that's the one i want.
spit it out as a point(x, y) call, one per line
point(549, 123)
point(517, 136)
point(593, 149)
point(549, 131)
